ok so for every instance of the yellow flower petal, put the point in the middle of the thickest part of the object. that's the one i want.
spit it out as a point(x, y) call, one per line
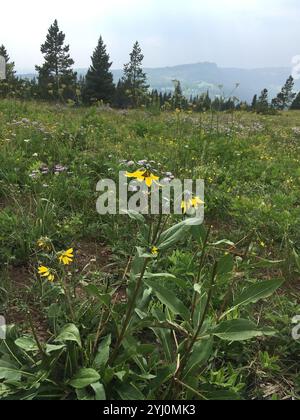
point(51, 278)
point(43, 270)
point(136, 174)
point(154, 251)
point(196, 202)
point(66, 257)
point(148, 181)
point(69, 252)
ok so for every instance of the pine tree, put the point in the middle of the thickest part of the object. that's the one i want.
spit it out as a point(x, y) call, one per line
point(254, 102)
point(296, 103)
point(134, 79)
point(99, 84)
point(262, 105)
point(4, 53)
point(121, 99)
point(56, 78)
point(178, 98)
point(286, 96)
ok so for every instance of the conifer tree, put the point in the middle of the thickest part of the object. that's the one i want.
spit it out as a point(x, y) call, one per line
point(178, 96)
point(134, 79)
point(121, 99)
point(254, 102)
point(4, 53)
point(286, 96)
point(296, 103)
point(56, 78)
point(262, 105)
point(99, 84)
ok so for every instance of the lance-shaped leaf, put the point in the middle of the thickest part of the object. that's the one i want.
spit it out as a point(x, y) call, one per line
point(240, 330)
point(168, 298)
point(256, 292)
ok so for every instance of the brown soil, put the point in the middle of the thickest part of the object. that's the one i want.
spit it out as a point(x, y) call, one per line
point(90, 257)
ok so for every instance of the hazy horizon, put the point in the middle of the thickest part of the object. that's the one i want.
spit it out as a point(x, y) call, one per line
point(32, 70)
point(245, 34)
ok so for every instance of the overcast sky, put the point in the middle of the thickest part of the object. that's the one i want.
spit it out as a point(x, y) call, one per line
point(231, 33)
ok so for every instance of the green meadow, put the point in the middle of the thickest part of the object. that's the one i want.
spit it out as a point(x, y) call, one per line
point(133, 307)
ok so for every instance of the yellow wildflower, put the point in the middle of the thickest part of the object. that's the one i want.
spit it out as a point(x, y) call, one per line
point(46, 272)
point(154, 251)
point(44, 243)
point(191, 203)
point(196, 202)
point(66, 257)
point(143, 176)
point(185, 205)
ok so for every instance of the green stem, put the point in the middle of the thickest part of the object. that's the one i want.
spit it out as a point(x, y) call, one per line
point(162, 229)
point(206, 309)
point(200, 270)
point(35, 334)
point(189, 388)
point(155, 233)
point(129, 313)
point(69, 300)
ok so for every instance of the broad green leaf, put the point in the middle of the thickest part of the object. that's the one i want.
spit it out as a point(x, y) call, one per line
point(129, 392)
point(176, 233)
point(164, 335)
point(256, 292)
point(84, 395)
point(69, 333)
point(168, 298)
point(93, 291)
point(265, 263)
point(240, 330)
point(99, 391)
point(193, 221)
point(102, 355)
point(9, 371)
point(137, 265)
point(163, 375)
point(83, 378)
point(50, 348)
point(199, 309)
point(201, 353)
point(134, 215)
point(27, 344)
point(226, 264)
point(199, 233)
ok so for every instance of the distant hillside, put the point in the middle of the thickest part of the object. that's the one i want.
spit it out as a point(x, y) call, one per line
point(200, 77)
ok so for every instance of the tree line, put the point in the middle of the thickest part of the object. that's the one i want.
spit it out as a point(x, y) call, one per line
point(57, 81)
